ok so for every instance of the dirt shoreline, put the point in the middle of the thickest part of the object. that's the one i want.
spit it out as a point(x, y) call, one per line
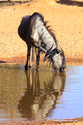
point(76, 121)
point(23, 59)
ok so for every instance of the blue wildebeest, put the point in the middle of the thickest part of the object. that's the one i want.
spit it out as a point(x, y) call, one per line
point(35, 32)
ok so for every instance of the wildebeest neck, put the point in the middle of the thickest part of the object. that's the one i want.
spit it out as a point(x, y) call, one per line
point(40, 35)
point(46, 39)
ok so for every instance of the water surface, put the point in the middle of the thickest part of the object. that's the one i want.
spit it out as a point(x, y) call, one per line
point(29, 95)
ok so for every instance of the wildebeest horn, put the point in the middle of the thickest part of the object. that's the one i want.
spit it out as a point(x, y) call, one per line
point(58, 49)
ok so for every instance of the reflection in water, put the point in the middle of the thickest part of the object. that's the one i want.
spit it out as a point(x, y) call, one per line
point(41, 94)
point(33, 95)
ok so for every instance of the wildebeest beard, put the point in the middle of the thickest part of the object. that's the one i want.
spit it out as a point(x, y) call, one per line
point(50, 53)
point(49, 57)
point(56, 57)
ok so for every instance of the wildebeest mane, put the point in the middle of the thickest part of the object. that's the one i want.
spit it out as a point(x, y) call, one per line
point(50, 30)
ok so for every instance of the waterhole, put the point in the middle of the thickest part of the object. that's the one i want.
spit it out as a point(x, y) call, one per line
point(31, 95)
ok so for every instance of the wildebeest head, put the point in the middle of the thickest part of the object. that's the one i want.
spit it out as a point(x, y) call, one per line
point(57, 58)
point(59, 62)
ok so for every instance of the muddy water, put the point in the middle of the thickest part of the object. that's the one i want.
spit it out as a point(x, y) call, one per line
point(31, 95)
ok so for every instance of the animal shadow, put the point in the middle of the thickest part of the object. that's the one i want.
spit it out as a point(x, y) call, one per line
point(41, 95)
point(11, 3)
point(70, 2)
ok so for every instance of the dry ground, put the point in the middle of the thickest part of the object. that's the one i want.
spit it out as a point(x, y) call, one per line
point(66, 21)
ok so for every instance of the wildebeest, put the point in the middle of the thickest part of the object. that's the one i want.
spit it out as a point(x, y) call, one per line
point(35, 32)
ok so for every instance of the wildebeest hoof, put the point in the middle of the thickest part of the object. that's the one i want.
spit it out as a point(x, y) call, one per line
point(26, 68)
point(30, 66)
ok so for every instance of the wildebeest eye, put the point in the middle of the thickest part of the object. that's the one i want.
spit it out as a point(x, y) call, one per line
point(61, 53)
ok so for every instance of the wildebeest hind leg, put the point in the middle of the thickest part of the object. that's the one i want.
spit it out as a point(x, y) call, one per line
point(28, 57)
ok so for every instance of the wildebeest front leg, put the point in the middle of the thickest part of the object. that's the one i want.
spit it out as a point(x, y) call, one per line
point(37, 59)
point(28, 58)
